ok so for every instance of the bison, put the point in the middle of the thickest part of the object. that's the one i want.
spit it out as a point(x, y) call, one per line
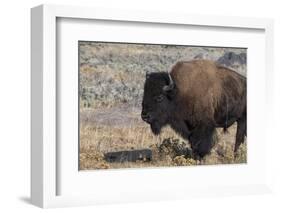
point(195, 98)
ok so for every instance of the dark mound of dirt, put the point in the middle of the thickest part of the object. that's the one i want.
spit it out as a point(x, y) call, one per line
point(175, 147)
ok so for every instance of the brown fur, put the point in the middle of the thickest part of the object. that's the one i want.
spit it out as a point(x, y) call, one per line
point(200, 88)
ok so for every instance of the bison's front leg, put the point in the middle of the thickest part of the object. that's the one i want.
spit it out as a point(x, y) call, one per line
point(201, 140)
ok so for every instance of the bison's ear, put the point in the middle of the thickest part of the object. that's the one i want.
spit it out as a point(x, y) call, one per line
point(170, 88)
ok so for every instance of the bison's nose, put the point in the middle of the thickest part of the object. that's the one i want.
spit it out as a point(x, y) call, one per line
point(145, 116)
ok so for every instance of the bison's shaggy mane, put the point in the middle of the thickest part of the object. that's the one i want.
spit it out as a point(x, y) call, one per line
point(202, 86)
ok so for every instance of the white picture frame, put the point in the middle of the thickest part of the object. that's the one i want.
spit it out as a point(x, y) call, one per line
point(45, 170)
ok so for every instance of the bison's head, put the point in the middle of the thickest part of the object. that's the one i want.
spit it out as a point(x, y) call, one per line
point(158, 100)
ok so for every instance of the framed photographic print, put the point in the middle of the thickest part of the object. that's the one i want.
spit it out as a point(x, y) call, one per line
point(130, 106)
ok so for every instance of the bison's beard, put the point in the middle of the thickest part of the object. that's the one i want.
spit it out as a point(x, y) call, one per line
point(155, 128)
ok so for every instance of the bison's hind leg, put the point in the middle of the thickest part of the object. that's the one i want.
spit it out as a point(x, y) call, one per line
point(201, 140)
point(240, 133)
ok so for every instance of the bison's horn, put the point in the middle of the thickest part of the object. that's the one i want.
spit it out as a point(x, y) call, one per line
point(170, 86)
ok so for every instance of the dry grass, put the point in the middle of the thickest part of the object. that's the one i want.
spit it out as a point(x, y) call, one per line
point(96, 140)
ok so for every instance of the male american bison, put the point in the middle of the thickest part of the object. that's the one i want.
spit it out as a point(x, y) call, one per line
point(195, 98)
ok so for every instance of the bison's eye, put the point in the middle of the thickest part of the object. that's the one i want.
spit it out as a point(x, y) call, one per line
point(159, 98)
